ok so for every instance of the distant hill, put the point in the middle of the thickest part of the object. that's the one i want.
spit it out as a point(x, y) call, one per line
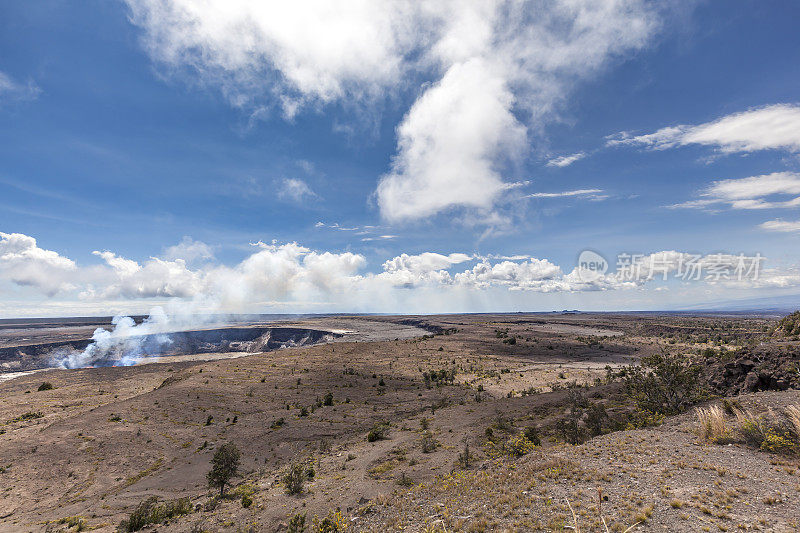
point(782, 305)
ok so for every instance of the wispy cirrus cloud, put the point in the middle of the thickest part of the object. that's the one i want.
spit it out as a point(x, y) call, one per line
point(565, 160)
point(12, 91)
point(783, 226)
point(294, 190)
point(593, 194)
point(769, 191)
point(775, 127)
point(379, 238)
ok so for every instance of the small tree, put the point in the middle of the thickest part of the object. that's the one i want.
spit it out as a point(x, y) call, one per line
point(224, 466)
point(295, 477)
point(663, 383)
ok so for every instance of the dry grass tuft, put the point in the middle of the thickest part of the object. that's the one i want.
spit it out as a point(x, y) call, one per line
point(793, 414)
point(712, 426)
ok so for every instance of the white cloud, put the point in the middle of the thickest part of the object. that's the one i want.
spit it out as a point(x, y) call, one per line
point(24, 263)
point(532, 274)
point(497, 71)
point(13, 91)
point(295, 52)
point(425, 268)
point(507, 67)
point(295, 278)
point(339, 227)
point(784, 226)
point(450, 145)
point(565, 160)
point(424, 262)
point(155, 278)
point(768, 191)
point(771, 127)
point(294, 190)
point(189, 250)
point(591, 193)
point(379, 238)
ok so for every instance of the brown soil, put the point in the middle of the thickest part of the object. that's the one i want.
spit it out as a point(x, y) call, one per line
point(110, 437)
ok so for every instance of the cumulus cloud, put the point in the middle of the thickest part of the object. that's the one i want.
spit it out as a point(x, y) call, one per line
point(154, 278)
point(770, 127)
point(488, 73)
point(294, 53)
point(189, 250)
point(531, 274)
point(424, 262)
point(297, 278)
point(24, 263)
point(768, 191)
point(565, 160)
point(413, 270)
point(294, 190)
point(450, 144)
point(506, 68)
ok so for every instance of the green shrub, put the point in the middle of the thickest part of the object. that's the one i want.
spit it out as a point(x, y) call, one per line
point(790, 324)
point(294, 478)
point(663, 384)
point(332, 523)
point(519, 445)
point(778, 439)
point(77, 522)
point(532, 434)
point(30, 415)
point(151, 512)
point(297, 524)
point(378, 432)
point(428, 442)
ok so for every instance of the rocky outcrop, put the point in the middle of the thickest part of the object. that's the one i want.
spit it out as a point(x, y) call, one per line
point(751, 370)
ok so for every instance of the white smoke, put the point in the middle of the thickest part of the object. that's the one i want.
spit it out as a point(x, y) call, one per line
point(125, 344)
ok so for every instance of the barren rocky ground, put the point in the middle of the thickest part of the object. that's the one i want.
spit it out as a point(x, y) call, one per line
point(85, 453)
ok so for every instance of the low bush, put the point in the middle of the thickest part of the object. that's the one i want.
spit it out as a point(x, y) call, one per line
point(294, 478)
point(332, 523)
point(45, 386)
point(297, 524)
point(151, 512)
point(77, 522)
point(378, 432)
point(663, 384)
point(519, 445)
point(30, 415)
point(428, 442)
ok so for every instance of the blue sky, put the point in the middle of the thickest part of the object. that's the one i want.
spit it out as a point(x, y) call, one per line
point(383, 138)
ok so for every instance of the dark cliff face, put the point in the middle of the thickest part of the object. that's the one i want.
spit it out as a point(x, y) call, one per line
point(750, 370)
point(234, 339)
